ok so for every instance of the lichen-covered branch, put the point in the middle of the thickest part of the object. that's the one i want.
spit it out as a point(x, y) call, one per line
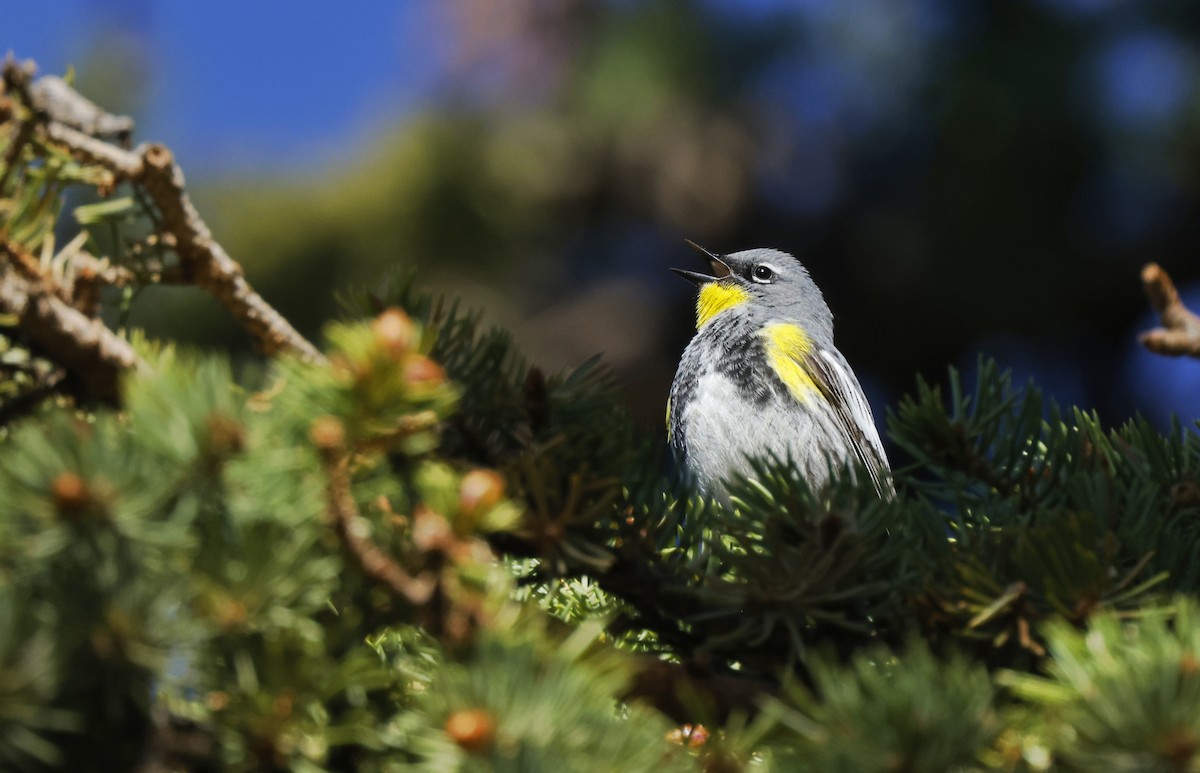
point(83, 345)
point(207, 263)
point(62, 117)
point(1180, 331)
point(55, 97)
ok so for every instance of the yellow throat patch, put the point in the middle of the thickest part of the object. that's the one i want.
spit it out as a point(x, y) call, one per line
point(788, 348)
point(716, 297)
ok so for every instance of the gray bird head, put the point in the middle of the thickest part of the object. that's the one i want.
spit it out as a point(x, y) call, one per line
point(761, 286)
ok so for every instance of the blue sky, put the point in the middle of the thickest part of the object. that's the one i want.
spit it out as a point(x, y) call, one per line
point(242, 86)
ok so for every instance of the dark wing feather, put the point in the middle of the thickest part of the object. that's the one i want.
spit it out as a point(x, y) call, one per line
point(841, 389)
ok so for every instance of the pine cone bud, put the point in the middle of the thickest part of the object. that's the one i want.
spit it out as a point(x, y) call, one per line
point(226, 436)
point(344, 370)
point(394, 332)
point(480, 491)
point(71, 495)
point(422, 372)
point(217, 700)
point(472, 729)
point(327, 433)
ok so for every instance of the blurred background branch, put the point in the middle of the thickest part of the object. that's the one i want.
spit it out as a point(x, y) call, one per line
point(1180, 331)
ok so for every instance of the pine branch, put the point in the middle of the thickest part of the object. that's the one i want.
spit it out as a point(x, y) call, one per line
point(328, 435)
point(676, 691)
point(1180, 331)
point(178, 744)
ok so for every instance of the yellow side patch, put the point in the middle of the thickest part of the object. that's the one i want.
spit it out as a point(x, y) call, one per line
point(716, 297)
point(668, 419)
point(788, 346)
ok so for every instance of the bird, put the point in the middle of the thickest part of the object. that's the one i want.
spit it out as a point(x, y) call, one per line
point(762, 379)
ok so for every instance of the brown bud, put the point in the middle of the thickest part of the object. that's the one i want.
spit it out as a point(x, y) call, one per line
point(157, 156)
point(229, 613)
point(431, 532)
point(327, 433)
point(71, 495)
point(480, 491)
point(420, 371)
point(226, 436)
point(344, 371)
point(1189, 665)
point(217, 700)
point(472, 729)
point(283, 704)
point(692, 736)
point(394, 332)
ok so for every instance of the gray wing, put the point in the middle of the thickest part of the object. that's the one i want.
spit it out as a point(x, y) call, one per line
point(841, 389)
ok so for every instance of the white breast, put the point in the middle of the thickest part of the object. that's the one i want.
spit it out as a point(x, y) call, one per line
point(724, 430)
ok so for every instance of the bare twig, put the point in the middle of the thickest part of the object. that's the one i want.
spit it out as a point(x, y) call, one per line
point(55, 97)
point(83, 345)
point(210, 266)
point(16, 77)
point(1180, 331)
point(84, 263)
point(124, 163)
point(28, 266)
point(69, 120)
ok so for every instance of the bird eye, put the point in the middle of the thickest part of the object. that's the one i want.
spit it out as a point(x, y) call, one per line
point(763, 273)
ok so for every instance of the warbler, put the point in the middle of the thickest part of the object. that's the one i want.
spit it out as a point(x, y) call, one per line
point(762, 378)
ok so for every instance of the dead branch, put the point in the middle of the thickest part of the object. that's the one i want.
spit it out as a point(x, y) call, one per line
point(68, 120)
point(210, 267)
point(88, 349)
point(123, 163)
point(54, 96)
point(1180, 331)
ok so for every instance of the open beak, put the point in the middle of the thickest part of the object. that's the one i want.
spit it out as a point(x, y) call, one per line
point(720, 268)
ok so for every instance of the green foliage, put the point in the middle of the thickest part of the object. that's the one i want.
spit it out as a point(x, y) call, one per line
point(540, 706)
point(1048, 514)
point(543, 432)
point(425, 553)
point(196, 550)
point(1124, 694)
point(29, 680)
point(886, 712)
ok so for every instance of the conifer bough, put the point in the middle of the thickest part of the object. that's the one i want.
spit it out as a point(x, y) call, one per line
point(421, 553)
